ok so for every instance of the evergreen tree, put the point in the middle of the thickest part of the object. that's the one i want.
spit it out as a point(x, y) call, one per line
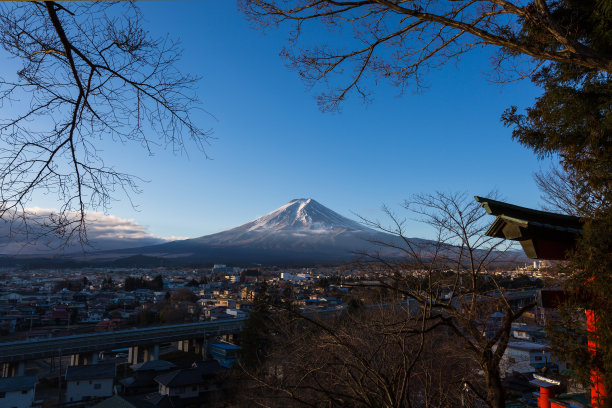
point(572, 119)
point(157, 283)
point(255, 332)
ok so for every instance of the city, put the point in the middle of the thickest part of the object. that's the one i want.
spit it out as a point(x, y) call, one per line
point(70, 302)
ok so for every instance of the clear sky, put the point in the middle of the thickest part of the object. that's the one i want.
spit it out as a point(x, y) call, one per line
point(272, 144)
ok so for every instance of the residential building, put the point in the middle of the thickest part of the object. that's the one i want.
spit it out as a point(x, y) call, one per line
point(186, 386)
point(86, 382)
point(17, 392)
point(526, 357)
point(144, 375)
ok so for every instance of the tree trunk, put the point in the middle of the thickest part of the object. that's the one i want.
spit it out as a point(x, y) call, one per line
point(496, 396)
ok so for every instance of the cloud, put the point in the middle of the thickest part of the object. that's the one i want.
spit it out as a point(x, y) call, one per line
point(29, 233)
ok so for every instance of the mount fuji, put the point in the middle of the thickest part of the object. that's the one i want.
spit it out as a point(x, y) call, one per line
point(302, 231)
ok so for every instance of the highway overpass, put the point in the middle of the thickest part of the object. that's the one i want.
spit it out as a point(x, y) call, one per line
point(147, 340)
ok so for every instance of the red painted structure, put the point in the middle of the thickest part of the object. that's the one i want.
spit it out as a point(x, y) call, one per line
point(545, 235)
point(545, 395)
point(598, 391)
point(547, 391)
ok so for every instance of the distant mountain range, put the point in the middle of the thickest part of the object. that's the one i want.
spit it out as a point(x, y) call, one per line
point(301, 232)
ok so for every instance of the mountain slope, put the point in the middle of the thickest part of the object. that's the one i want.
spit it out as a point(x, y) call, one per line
point(299, 223)
point(302, 230)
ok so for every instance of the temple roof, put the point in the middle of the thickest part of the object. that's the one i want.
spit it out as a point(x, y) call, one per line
point(542, 234)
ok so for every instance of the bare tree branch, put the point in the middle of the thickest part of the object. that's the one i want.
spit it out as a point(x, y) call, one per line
point(401, 40)
point(90, 73)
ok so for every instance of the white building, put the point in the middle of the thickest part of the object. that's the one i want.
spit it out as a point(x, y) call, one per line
point(17, 392)
point(522, 331)
point(235, 313)
point(86, 382)
point(293, 278)
point(525, 357)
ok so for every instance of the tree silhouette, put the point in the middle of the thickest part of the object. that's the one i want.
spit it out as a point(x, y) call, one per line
point(90, 73)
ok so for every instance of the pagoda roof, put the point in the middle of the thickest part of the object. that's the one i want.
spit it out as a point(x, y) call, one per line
point(542, 234)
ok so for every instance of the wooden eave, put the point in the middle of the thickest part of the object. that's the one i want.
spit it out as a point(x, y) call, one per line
point(543, 235)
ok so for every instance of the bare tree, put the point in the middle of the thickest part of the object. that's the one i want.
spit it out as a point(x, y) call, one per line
point(452, 280)
point(568, 192)
point(90, 72)
point(371, 357)
point(400, 40)
point(443, 294)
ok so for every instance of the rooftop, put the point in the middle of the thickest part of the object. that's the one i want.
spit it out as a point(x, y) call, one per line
point(544, 382)
point(90, 372)
point(225, 346)
point(180, 378)
point(527, 345)
point(117, 401)
point(24, 382)
point(542, 234)
point(154, 365)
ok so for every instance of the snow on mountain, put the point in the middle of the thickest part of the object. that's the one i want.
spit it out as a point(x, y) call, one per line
point(303, 215)
point(302, 224)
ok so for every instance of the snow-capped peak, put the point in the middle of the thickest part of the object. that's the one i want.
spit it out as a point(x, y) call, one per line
point(303, 214)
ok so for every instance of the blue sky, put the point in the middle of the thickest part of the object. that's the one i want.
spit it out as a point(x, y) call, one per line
point(272, 144)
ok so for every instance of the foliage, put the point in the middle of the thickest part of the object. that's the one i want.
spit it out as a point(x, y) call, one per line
point(572, 119)
point(254, 336)
point(183, 295)
point(147, 317)
point(73, 285)
point(108, 283)
point(592, 263)
point(172, 314)
point(74, 316)
point(131, 283)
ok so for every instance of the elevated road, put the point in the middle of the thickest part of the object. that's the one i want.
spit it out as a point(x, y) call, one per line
point(90, 343)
